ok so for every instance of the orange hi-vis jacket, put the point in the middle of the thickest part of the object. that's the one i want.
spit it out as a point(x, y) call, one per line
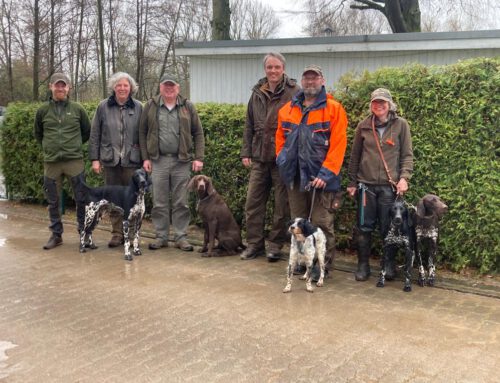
point(311, 141)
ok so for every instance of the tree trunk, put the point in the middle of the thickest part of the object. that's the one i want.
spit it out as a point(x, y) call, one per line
point(221, 21)
point(36, 50)
point(111, 36)
point(79, 51)
point(52, 41)
point(101, 48)
point(403, 15)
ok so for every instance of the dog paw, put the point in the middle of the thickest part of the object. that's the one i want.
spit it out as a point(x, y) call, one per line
point(319, 284)
point(82, 250)
point(407, 289)
point(137, 252)
point(128, 257)
point(310, 289)
point(287, 289)
point(380, 284)
point(421, 282)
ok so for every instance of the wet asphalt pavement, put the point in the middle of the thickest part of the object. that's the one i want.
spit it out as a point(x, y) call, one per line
point(171, 316)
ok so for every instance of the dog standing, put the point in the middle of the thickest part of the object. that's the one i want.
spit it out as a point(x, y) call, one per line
point(400, 235)
point(430, 209)
point(128, 200)
point(308, 246)
point(217, 219)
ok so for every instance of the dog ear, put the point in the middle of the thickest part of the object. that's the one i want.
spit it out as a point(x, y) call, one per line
point(420, 212)
point(210, 187)
point(308, 228)
point(191, 183)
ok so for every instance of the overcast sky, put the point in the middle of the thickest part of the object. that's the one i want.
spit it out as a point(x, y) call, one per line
point(291, 24)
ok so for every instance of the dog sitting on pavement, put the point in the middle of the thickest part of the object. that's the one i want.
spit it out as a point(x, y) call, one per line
point(308, 246)
point(429, 211)
point(217, 219)
point(128, 200)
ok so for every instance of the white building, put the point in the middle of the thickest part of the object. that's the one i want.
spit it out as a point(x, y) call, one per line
point(225, 71)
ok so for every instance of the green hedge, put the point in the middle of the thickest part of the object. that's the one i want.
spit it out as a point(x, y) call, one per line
point(453, 112)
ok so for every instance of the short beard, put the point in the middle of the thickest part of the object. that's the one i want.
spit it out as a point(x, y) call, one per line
point(312, 92)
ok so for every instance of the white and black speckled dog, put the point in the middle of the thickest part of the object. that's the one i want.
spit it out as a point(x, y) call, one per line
point(401, 234)
point(128, 200)
point(430, 209)
point(307, 247)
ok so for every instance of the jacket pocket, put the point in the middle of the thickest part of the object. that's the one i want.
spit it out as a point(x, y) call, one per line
point(106, 153)
point(135, 154)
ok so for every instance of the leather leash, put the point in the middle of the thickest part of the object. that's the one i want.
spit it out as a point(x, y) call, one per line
point(377, 141)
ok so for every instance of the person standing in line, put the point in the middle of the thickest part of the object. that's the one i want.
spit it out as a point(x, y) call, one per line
point(62, 127)
point(383, 131)
point(172, 144)
point(114, 140)
point(258, 153)
point(311, 140)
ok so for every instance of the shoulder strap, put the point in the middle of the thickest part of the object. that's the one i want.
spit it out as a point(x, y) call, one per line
point(377, 141)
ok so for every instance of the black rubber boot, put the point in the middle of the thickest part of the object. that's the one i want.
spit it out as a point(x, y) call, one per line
point(364, 250)
point(52, 196)
point(79, 193)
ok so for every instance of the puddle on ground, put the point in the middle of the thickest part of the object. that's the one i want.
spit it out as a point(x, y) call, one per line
point(5, 370)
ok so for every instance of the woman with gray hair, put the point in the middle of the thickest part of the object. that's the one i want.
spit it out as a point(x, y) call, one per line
point(380, 167)
point(114, 140)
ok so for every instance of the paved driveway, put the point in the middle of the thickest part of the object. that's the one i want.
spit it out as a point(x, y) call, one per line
point(170, 316)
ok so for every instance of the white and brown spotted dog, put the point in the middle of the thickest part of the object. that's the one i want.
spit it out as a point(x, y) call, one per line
point(307, 247)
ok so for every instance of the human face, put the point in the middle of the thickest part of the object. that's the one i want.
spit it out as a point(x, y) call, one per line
point(60, 91)
point(311, 84)
point(380, 108)
point(274, 70)
point(169, 91)
point(122, 91)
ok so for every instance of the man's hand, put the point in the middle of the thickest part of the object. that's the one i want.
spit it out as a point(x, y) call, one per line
point(318, 183)
point(247, 162)
point(197, 166)
point(147, 166)
point(96, 166)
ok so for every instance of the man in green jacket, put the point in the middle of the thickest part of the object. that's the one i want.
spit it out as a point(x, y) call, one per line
point(172, 144)
point(61, 127)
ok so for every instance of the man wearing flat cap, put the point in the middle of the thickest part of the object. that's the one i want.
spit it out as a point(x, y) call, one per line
point(61, 127)
point(172, 144)
point(380, 167)
point(310, 146)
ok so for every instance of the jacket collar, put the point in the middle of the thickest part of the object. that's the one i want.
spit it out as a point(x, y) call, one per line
point(319, 103)
point(112, 101)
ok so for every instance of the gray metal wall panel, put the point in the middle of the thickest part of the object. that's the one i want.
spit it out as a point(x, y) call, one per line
point(229, 78)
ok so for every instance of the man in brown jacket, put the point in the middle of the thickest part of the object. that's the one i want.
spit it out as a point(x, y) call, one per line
point(258, 153)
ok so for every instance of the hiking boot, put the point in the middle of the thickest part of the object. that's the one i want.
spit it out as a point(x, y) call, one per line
point(116, 240)
point(251, 253)
point(315, 274)
point(54, 240)
point(158, 244)
point(184, 245)
point(299, 270)
point(273, 256)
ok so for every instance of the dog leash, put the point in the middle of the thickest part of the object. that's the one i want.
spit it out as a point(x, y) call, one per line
point(377, 141)
point(308, 188)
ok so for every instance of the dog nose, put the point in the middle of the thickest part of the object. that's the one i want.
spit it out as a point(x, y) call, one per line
point(398, 220)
